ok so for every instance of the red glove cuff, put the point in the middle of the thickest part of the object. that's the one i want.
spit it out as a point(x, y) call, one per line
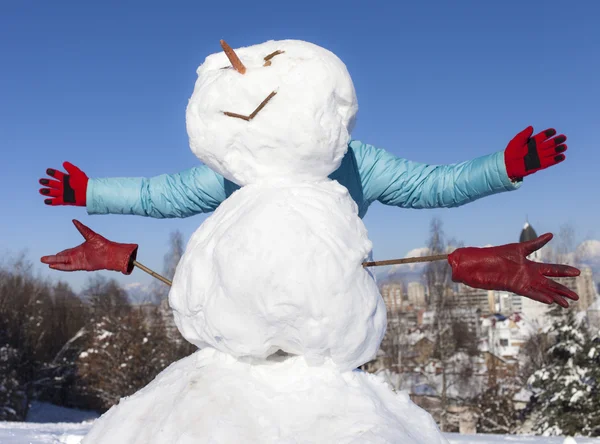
point(122, 257)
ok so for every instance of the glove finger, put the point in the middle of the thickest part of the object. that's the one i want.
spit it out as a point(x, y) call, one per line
point(536, 244)
point(86, 232)
point(57, 185)
point(55, 173)
point(554, 160)
point(59, 258)
point(549, 146)
point(561, 290)
point(560, 301)
point(51, 192)
point(544, 135)
point(54, 202)
point(538, 295)
point(522, 138)
point(552, 152)
point(71, 169)
point(557, 270)
point(64, 267)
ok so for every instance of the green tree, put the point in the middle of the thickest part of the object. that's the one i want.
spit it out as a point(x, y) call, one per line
point(563, 402)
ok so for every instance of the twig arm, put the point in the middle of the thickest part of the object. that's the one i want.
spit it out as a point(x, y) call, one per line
point(407, 260)
point(152, 273)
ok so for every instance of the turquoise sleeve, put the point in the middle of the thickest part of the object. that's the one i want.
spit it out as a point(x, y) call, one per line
point(197, 190)
point(396, 181)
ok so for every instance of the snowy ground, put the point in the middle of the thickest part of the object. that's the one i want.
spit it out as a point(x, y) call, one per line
point(72, 433)
point(44, 427)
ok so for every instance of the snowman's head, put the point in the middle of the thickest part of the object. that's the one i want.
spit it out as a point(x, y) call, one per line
point(278, 110)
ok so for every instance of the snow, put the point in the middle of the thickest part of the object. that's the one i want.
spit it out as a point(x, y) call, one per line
point(278, 265)
point(47, 423)
point(49, 433)
point(213, 397)
point(302, 133)
point(281, 268)
point(63, 433)
point(105, 334)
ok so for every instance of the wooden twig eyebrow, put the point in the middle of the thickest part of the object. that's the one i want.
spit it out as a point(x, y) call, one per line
point(254, 113)
point(270, 56)
point(273, 54)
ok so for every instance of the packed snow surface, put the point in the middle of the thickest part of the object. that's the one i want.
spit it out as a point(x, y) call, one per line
point(213, 397)
point(302, 132)
point(26, 433)
point(280, 268)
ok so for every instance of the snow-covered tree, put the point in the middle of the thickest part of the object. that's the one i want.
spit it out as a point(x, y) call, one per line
point(13, 398)
point(496, 412)
point(563, 401)
point(592, 352)
point(125, 346)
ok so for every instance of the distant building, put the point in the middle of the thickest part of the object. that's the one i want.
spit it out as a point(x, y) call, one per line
point(593, 314)
point(392, 296)
point(504, 336)
point(426, 318)
point(416, 294)
point(583, 285)
point(469, 317)
point(482, 300)
point(529, 234)
point(507, 303)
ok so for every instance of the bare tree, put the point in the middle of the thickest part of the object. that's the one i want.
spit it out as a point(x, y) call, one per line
point(175, 251)
point(37, 319)
point(106, 297)
point(563, 248)
point(394, 344)
point(451, 334)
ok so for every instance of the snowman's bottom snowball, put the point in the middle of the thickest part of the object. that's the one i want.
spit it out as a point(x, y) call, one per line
point(210, 397)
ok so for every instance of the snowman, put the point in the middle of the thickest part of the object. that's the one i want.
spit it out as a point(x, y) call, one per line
point(271, 287)
point(278, 266)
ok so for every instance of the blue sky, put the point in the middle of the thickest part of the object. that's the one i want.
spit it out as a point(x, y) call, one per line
point(104, 85)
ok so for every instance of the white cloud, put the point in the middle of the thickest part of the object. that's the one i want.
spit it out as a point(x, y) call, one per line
point(589, 250)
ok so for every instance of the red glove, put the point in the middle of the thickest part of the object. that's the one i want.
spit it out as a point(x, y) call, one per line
point(525, 155)
point(507, 268)
point(69, 189)
point(96, 253)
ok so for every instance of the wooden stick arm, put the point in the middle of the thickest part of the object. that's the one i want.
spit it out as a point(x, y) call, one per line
point(152, 273)
point(406, 260)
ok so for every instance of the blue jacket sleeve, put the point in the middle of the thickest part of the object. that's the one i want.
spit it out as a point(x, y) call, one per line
point(400, 182)
point(197, 190)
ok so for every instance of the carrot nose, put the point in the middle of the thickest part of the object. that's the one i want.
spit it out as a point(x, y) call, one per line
point(233, 58)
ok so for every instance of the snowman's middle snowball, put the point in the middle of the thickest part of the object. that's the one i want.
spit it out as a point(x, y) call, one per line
point(280, 267)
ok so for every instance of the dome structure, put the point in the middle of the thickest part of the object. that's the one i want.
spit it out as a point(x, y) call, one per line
point(527, 233)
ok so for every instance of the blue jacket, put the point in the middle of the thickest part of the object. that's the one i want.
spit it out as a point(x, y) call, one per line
point(370, 174)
